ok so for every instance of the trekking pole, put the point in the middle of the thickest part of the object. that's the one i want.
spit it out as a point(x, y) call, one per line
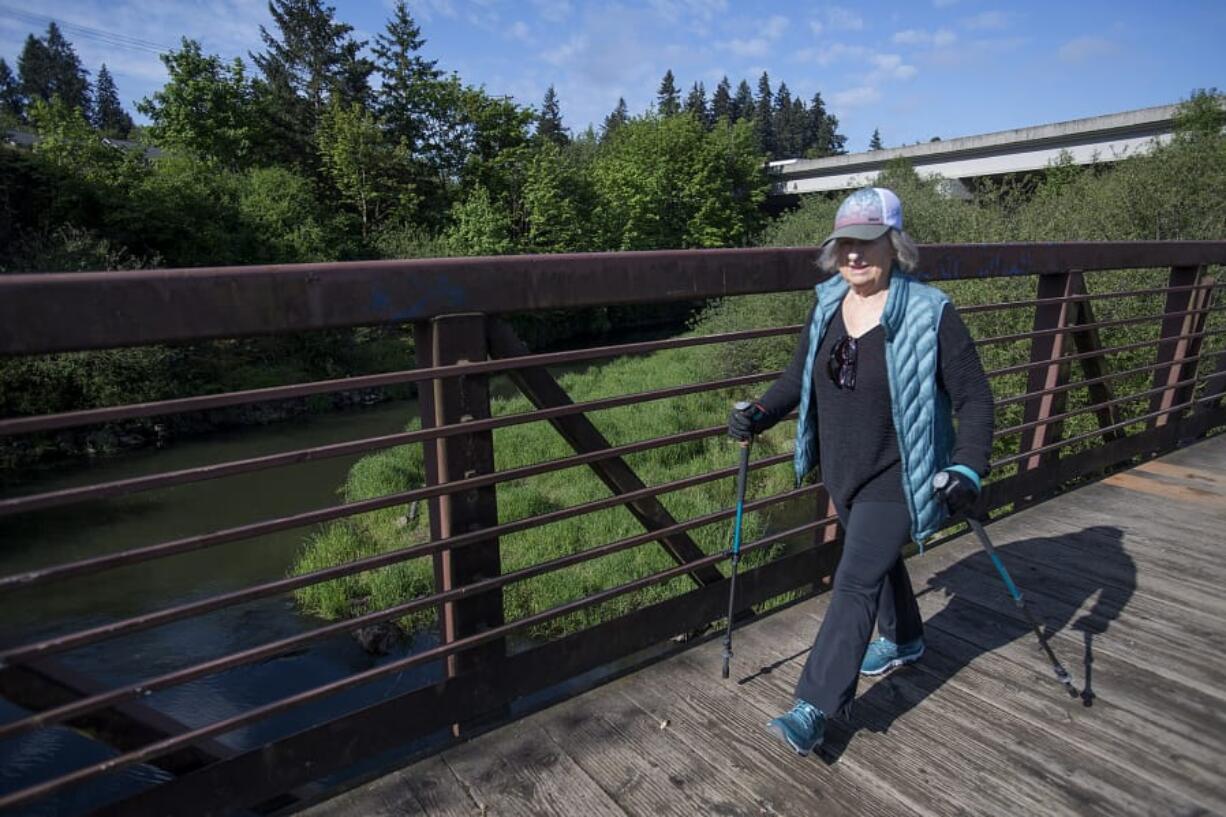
point(942, 481)
point(742, 471)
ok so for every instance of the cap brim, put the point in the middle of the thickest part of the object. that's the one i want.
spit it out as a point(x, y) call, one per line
point(860, 232)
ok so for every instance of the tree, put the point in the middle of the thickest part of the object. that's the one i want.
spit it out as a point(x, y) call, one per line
point(763, 126)
point(742, 103)
point(67, 141)
point(788, 119)
point(668, 101)
point(11, 103)
point(721, 102)
point(549, 126)
point(480, 226)
point(875, 142)
point(1202, 114)
point(357, 160)
point(556, 203)
point(408, 97)
point(615, 119)
point(696, 104)
point(313, 58)
point(205, 107)
point(822, 137)
point(109, 115)
point(50, 67)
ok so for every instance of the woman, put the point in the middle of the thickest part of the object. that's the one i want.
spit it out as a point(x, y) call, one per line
point(883, 365)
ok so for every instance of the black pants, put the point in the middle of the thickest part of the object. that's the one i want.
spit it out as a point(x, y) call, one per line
point(870, 585)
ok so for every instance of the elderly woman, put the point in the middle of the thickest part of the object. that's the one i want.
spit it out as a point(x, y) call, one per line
point(881, 369)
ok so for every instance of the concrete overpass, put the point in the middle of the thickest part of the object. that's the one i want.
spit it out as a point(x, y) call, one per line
point(1098, 138)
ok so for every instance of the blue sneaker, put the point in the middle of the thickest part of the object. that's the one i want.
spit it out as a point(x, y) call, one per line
point(803, 727)
point(884, 655)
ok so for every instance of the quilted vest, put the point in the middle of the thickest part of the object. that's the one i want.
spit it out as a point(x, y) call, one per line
point(923, 418)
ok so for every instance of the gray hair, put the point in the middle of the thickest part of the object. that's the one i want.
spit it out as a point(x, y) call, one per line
point(905, 252)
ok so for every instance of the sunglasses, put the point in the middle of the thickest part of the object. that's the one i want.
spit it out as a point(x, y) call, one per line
point(842, 363)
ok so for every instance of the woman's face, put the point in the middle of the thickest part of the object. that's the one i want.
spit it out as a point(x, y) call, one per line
point(865, 265)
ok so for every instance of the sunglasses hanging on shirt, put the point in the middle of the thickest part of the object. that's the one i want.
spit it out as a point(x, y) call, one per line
point(842, 363)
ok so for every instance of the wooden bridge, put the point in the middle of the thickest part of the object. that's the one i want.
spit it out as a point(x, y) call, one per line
point(1126, 574)
point(1108, 364)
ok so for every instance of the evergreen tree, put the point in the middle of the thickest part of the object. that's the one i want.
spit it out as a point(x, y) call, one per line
point(696, 104)
point(109, 115)
point(615, 119)
point(763, 127)
point(742, 103)
point(721, 102)
point(11, 104)
point(549, 121)
point(822, 137)
point(50, 67)
point(313, 59)
point(408, 95)
point(668, 101)
point(787, 135)
point(875, 142)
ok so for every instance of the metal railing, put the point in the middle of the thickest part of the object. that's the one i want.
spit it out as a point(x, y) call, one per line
point(1151, 379)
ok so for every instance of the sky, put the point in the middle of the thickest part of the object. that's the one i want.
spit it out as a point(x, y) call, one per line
point(912, 70)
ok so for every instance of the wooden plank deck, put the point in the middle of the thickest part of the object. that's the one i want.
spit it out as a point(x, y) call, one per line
point(1126, 572)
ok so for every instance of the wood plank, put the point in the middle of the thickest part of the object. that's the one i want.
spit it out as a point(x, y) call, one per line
point(962, 755)
point(640, 760)
point(1215, 478)
point(1175, 493)
point(427, 788)
point(725, 721)
point(520, 770)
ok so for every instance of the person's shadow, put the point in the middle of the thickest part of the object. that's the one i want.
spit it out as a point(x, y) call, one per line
point(1055, 575)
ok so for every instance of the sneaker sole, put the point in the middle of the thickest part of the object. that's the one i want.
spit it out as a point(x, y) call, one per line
point(783, 735)
point(895, 664)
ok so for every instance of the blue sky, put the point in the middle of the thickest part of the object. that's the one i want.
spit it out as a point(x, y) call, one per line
point(914, 70)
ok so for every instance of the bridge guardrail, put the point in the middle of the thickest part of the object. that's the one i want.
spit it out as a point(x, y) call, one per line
point(1135, 398)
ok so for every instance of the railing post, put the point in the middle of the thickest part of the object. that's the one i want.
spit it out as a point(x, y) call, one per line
point(447, 340)
point(1180, 354)
point(1048, 347)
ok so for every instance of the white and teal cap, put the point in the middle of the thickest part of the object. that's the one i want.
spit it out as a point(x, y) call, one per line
point(867, 214)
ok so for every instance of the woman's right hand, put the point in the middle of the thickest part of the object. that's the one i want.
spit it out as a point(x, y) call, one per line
point(745, 422)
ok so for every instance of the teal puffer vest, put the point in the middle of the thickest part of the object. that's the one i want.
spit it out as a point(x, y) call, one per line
point(923, 418)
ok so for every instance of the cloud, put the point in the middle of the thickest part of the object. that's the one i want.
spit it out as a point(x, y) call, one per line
point(519, 30)
point(702, 12)
point(940, 38)
point(844, 19)
point(429, 9)
point(755, 47)
point(835, 52)
point(554, 11)
point(989, 21)
point(775, 27)
point(943, 3)
point(816, 26)
point(1086, 48)
point(857, 97)
point(890, 66)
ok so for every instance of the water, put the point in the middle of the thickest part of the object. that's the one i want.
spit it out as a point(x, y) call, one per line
point(77, 531)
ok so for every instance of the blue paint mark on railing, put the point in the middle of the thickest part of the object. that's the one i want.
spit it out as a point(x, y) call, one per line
point(443, 295)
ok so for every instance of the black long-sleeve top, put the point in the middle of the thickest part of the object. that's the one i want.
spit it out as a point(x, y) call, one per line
point(858, 448)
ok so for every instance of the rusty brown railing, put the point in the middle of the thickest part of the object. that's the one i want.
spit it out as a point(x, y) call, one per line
point(1152, 377)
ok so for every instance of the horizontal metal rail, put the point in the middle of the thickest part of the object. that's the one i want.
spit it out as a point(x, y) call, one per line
point(145, 621)
point(1098, 432)
point(1002, 306)
point(254, 529)
point(167, 479)
point(1077, 412)
point(134, 690)
point(75, 311)
point(1094, 381)
point(85, 417)
point(1107, 350)
point(1085, 327)
point(162, 747)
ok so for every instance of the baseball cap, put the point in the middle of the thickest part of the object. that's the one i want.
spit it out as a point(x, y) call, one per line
point(867, 214)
